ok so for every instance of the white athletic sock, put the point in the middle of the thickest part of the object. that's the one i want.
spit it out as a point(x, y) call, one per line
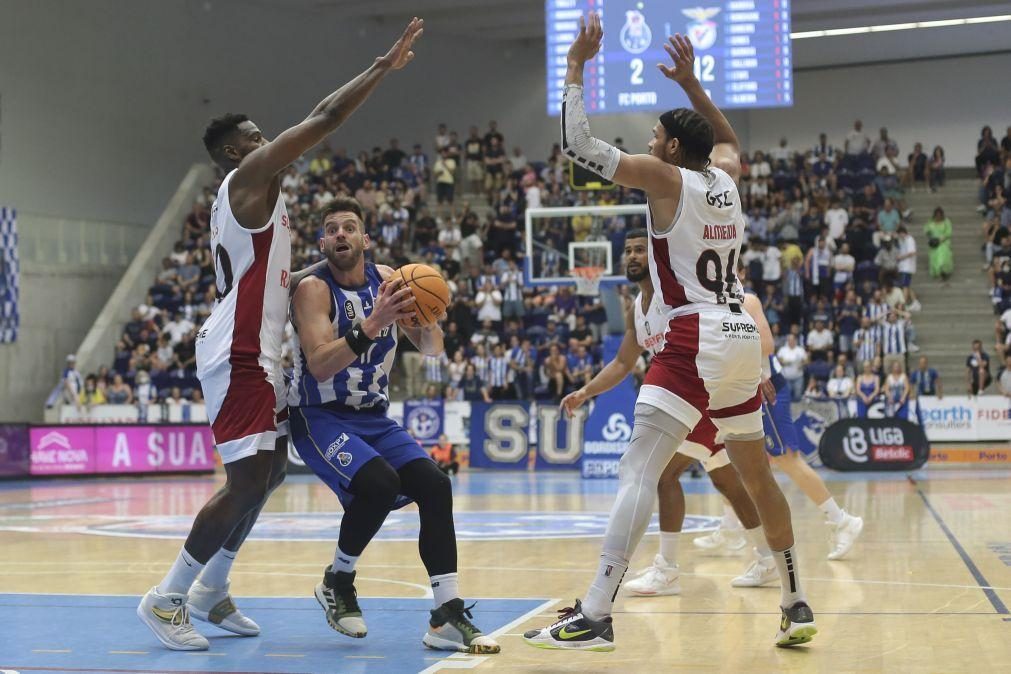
point(215, 574)
point(444, 588)
point(343, 561)
point(730, 520)
point(181, 576)
point(832, 510)
point(757, 538)
point(789, 577)
point(599, 598)
point(669, 546)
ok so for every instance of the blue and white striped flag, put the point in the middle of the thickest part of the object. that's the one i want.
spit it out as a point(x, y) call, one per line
point(9, 275)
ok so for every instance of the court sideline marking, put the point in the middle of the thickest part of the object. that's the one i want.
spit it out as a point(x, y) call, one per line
point(981, 581)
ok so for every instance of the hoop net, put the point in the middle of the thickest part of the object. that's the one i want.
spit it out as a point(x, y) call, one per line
point(587, 280)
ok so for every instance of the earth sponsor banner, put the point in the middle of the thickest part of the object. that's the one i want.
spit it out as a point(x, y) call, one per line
point(966, 418)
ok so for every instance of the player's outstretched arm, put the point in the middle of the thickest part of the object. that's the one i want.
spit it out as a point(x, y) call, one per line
point(641, 171)
point(260, 166)
point(310, 314)
point(726, 152)
point(611, 374)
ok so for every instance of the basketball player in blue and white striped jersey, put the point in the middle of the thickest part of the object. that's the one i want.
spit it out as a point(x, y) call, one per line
point(344, 313)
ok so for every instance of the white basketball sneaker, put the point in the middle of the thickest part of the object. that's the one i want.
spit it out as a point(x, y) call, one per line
point(729, 540)
point(451, 629)
point(844, 535)
point(216, 607)
point(660, 579)
point(762, 571)
point(167, 616)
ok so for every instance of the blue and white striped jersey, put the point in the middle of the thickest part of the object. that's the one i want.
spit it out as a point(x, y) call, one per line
point(363, 385)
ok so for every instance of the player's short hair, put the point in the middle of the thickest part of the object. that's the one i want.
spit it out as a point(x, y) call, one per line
point(218, 132)
point(341, 204)
point(639, 233)
point(693, 130)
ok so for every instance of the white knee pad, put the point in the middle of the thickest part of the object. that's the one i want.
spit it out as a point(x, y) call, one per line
point(655, 437)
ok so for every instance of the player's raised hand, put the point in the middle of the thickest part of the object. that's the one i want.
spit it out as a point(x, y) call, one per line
point(683, 54)
point(587, 42)
point(400, 53)
point(573, 401)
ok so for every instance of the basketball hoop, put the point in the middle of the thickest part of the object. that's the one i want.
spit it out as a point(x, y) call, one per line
point(587, 280)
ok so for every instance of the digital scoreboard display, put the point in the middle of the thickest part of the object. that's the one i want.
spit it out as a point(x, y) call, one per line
point(742, 52)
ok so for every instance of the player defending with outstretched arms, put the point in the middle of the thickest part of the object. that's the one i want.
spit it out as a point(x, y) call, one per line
point(239, 352)
point(711, 362)
point(345, 313)
point(645, 327)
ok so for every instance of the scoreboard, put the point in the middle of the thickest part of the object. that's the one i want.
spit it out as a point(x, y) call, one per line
point(742, 52)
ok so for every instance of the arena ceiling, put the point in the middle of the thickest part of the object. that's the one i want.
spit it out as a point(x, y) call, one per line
point(522, 22)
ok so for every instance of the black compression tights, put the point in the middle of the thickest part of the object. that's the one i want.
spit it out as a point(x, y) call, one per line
point(376, 487)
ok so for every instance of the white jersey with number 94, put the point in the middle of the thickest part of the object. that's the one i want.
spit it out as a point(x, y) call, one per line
point(694, 263)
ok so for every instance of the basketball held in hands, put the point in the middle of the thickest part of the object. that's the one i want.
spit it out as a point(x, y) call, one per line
point(431, 294)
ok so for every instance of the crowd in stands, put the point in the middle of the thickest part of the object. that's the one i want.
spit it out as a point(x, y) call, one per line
point(830, 253)
point(993, 164)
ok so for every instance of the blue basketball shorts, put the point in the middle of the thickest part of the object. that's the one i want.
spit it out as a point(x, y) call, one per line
point(335, 445)
point(780, 431)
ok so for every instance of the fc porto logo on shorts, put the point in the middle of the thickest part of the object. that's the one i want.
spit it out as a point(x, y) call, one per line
point(635, 34)
point(701, 31)
point(336, 446)
point(349, 310)
point(344, 458)
point(424, 422)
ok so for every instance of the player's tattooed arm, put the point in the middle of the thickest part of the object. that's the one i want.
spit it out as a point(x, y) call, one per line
point(428, 339)
point(298, 276)
point(726, 152)
point(263, 164)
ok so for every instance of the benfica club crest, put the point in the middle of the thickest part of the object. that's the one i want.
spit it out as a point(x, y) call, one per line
point(635, 34)
point(702, 31)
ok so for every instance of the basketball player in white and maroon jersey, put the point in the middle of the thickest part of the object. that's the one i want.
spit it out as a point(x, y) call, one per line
point(711, 362)
point(645, 329)
point(239, 352)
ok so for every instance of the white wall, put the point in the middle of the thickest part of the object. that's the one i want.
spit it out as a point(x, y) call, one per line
point(937, 102)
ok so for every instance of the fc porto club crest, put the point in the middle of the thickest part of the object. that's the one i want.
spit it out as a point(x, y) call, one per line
point(701, 31)
point(635, 34)
point(423, 422)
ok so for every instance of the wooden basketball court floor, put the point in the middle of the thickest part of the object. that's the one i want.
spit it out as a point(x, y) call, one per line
point(926, 588)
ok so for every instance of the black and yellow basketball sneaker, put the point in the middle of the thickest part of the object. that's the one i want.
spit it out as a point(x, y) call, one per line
point(574, 631)
point(450, 629)
point(339, 599)
point(796, 626)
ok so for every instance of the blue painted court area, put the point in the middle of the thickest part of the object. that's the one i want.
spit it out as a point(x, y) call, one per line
point(72, 633)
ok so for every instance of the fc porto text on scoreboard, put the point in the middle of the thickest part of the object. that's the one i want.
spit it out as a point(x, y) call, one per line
point(742, 52)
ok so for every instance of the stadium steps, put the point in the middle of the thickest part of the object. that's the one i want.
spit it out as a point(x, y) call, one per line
point(955, 315)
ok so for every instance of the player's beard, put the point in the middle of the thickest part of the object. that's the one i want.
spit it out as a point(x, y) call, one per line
point(640, 273)
point(345, 260)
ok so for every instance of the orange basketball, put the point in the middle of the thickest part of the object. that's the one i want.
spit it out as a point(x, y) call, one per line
point(431, 293)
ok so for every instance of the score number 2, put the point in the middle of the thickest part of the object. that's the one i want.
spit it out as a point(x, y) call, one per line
point(704, 67)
